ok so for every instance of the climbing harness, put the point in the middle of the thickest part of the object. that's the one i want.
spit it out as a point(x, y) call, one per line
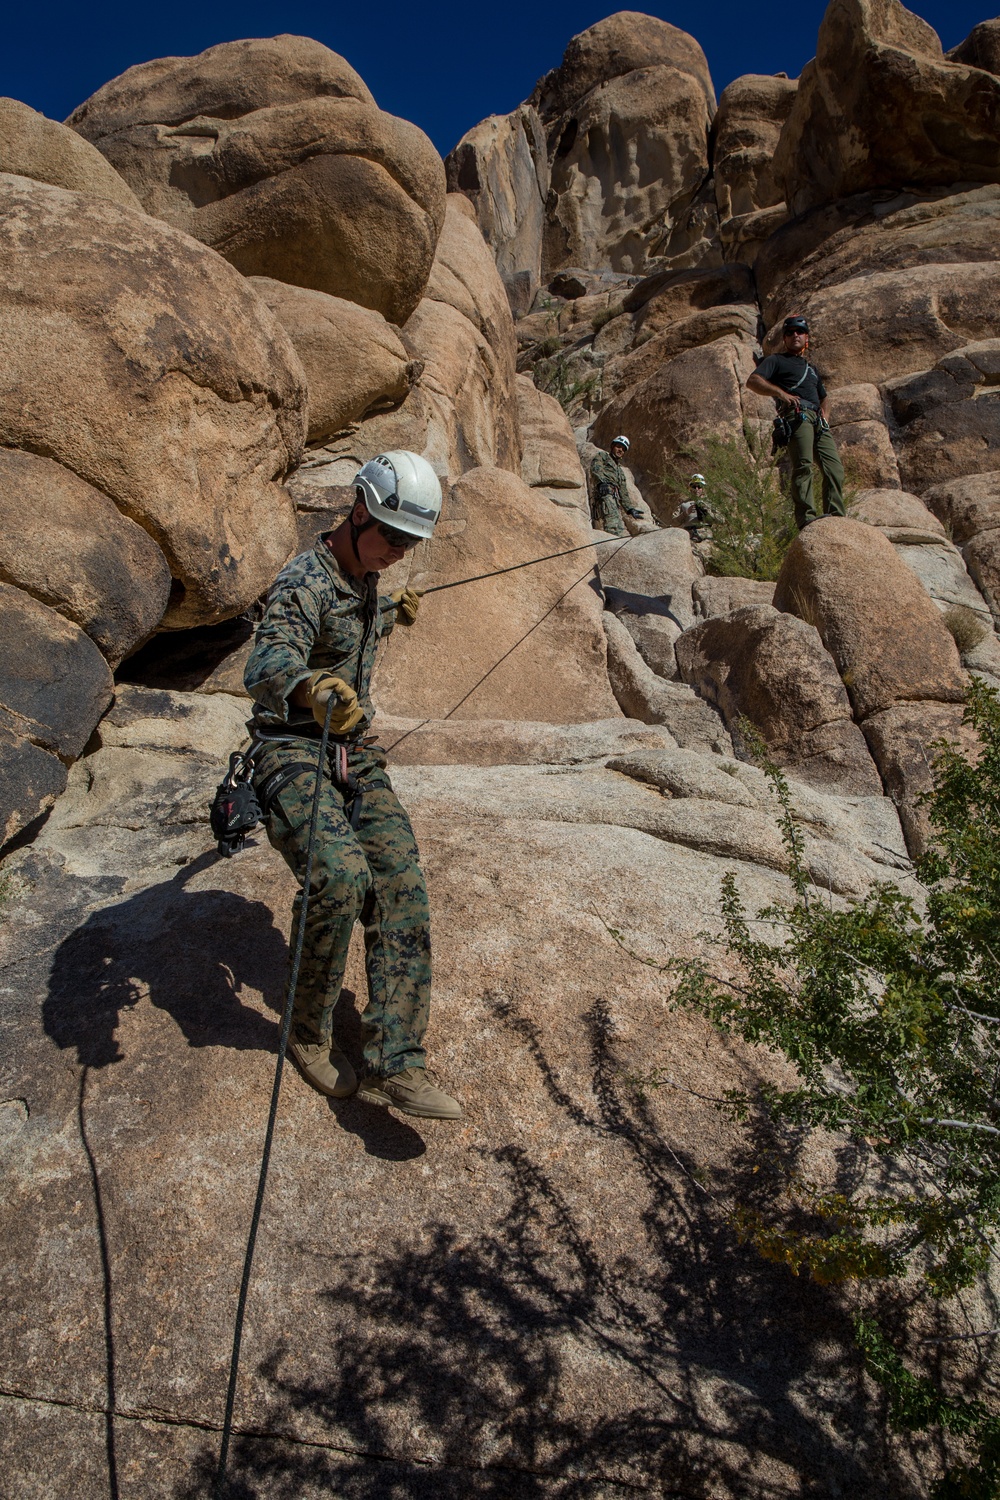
point(785, 426)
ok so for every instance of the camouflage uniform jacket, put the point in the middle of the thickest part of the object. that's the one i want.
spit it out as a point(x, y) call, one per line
point(609, 475)
point(317, 617)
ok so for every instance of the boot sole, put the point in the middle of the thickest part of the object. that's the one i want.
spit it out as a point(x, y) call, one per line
point(375, 1096)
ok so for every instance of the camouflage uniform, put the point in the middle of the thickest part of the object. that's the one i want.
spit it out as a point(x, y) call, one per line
point(610, 494)
point(319, 617)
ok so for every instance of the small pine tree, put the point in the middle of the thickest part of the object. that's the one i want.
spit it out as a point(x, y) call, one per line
point(749, 508)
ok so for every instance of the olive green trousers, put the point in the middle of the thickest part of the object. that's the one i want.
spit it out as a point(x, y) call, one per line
point(811, 443)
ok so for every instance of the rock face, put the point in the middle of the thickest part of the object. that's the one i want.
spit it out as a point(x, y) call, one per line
point(773, 670)
point(143, 364)
point(67, 545)
point(33, 146)
point(144, 1010)
point(675, 408)
point(752, 111)
point(876, 60)
point(462, 413)
point(525, 646)
point(889, 642)
point(299, 177)
point(945, 428)
point(54, 686)
point(550, 460)
point(603, 166)
point(353, 359)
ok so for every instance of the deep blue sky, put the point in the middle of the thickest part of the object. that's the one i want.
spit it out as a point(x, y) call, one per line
point(444, 66)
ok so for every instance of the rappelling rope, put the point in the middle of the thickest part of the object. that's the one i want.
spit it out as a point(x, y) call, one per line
point(286, 1026)
point(521, 639)
point(286, 1021)
point(439, 587)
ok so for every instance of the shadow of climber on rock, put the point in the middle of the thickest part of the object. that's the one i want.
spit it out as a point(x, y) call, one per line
point(191, 952)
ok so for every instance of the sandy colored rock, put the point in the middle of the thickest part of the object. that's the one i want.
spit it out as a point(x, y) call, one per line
point(501, 165)
point(658, 569)
point(982, 558)
point(942, 571)
point(352, 358)
point(877, 62)
point(479, 374)
point(550, 459)
point(981, 48)
point(33, 146)
point(54, 683)
point(534, 1241)
point(720, 596)
point(773, 670)
point(884, 324)
point(700, 328)
point(505, 742)
point(643, 694)
point(879, 231)
point(142, 363)
point(876, 620)
point(674, 410)
point(967, 505)
point(944, 429)
point(752, 111)
point(667, 296)
point(54, 686)
point(69, 547)
point(225, 81)
point(623, 43)
point(904, 741)
point(558, 674)
point(297, 176)
point(901, 516)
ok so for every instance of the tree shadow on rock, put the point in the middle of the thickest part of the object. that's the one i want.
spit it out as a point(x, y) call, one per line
point(533, 1360)
point(191, 952)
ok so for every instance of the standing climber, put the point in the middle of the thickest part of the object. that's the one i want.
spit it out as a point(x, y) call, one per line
point(317, 640)
point(611, 489)
point(802, 415)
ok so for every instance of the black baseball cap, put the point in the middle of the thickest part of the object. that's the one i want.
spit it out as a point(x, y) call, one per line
point(795, 325)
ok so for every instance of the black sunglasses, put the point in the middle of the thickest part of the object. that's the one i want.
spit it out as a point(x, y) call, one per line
point(398, 538)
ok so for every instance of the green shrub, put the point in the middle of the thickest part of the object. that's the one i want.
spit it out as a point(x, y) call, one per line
point(888, 1010)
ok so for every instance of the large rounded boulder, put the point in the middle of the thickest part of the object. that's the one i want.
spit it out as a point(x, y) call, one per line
point(881, 105)
point(303, 179)
point(33, 146)
point(142, 363)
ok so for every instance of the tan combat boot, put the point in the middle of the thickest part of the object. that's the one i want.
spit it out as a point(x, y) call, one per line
point(325, 1067)
point(412, 1092)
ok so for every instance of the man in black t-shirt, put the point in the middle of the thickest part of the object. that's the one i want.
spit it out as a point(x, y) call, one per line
point(801, 397)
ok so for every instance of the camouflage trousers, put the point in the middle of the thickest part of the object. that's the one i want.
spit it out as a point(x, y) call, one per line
point(369, 874)
point(607, 516)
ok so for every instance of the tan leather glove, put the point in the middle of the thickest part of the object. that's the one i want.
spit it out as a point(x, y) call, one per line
point(345, 714)
point(407, 602)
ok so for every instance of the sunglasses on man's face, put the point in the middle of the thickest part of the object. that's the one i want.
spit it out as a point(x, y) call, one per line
point(397, 538)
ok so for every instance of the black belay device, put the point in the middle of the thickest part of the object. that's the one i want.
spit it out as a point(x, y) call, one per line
point(235, 809)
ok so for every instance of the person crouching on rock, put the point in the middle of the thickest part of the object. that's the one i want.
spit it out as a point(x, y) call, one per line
point(802, 401)
point(611, 489)
point(317, 640)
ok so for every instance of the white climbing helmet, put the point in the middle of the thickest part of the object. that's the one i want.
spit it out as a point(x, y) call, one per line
point(697, 479)
point(623, 441)
point(401, 490)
